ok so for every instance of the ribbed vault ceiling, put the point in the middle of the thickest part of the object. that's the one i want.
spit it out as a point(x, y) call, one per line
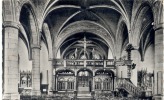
point(62, 13)
point(111, 22)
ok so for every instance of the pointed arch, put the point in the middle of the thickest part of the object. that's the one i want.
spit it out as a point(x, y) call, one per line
point(30, 21)
point(139, 21)
point(48, 39)
point(122, 37)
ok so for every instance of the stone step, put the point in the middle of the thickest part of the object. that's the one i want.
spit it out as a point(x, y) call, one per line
point(84, 98)
point(83, 92)
point(83, 89)
point(84, 95)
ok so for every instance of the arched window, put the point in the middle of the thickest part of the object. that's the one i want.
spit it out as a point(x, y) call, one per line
point(65, 80)
point(107, 78)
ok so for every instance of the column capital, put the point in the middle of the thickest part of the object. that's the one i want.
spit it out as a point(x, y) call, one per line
point(158, 26)
point(36, 46)
point(10, 24)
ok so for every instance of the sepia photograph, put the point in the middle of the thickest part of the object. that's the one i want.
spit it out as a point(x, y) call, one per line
point(82, 49)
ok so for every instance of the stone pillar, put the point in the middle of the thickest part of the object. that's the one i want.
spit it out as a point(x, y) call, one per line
point(136, 60)
point(158, 70)
point(10, 61)
point(50, 83)
point(35, 70)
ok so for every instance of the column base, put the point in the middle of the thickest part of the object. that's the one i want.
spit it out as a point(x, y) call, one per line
point(11, 96)
point(158, 97)
point(36, 92)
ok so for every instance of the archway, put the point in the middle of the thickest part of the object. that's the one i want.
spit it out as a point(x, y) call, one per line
point(104, 80)
point(84, 80)
point(65, 80)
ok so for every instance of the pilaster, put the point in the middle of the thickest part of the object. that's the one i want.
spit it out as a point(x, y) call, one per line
point(10, 60)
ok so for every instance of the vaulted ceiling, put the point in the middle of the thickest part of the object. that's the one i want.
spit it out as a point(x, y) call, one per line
point(110, 24)
point(105, 13)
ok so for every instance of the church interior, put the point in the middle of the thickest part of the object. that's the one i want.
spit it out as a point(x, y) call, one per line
point(82, 49)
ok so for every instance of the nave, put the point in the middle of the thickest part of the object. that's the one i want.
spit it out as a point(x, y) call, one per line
point(82, 49)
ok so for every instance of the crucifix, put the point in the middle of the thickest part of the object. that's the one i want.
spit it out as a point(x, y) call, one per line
point(85, 44)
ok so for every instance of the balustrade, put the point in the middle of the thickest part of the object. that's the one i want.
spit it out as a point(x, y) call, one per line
point(128, 86)
point(96, 63)
point(90, 63)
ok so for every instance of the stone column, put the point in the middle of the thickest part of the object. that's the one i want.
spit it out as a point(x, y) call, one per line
point(10, 61)
point(50, 83)
point(158, 70)
point(35, 70)
point(136, 60)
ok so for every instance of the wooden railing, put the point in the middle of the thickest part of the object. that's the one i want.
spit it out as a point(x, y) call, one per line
point(85, 63)
point(129, 87)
